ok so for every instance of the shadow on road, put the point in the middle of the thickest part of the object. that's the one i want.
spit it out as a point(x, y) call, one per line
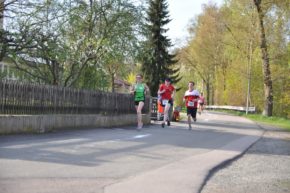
point(91, 147)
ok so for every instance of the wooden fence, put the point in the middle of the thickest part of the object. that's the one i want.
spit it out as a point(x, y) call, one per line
point(27, 98)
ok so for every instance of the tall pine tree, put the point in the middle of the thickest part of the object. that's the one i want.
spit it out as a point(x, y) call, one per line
point(158, 63)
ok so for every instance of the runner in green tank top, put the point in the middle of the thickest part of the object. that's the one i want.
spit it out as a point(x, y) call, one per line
point(139, 90)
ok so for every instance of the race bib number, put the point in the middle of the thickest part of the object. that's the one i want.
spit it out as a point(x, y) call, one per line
point(164, 102)
point(190, 104)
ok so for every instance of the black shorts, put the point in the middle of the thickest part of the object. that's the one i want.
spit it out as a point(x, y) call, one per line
point(191, 111)
point(169, 101)
point(201, 104)
point(137, 102)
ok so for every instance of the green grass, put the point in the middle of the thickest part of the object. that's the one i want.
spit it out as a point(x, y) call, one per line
point(279, 122)
point(274, 121)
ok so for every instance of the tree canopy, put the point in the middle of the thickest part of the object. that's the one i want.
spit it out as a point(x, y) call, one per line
point(236, 60)
point(237, 53)
point(158, 62)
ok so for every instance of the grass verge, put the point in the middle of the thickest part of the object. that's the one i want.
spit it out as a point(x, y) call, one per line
point(273, 121)
point(279, 122)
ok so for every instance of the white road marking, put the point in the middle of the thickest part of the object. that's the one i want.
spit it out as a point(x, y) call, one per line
point(141, 136)
point(121, 139)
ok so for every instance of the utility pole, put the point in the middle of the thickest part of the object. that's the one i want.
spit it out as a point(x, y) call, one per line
point(249, 74)
point(249, 68)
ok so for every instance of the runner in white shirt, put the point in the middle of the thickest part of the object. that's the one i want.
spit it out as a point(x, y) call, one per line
point(190, 98)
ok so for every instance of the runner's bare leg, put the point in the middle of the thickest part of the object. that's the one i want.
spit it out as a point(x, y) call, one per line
point(189, 121)
point(166, 109)
point(139, 114)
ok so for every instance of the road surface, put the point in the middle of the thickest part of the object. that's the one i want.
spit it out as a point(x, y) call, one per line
point(123, 160)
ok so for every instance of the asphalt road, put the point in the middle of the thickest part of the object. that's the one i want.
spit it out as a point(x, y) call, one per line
point(264, 168)
point(123, 160)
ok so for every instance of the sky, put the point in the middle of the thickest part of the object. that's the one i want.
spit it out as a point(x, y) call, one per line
point(181, 12)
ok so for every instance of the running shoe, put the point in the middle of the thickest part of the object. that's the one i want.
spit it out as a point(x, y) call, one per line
point(140, 127)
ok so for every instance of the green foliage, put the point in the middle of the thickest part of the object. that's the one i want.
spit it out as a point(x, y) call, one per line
point(157, 62)
point(93, 78)
point(204, 54)
point(223, 55)
point(73, 43)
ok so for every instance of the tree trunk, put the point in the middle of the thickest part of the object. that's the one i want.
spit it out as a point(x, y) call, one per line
point(212, 95)
point(207, 93)
point(55, 72)
point(268, 88)
point(1, 14)
point(113, 80)
point(3, 44)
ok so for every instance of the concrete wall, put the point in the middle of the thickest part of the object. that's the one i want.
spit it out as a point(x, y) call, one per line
point(44, 123)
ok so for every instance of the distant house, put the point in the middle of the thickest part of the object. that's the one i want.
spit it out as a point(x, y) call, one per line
point(6, 72)
point(121, 86)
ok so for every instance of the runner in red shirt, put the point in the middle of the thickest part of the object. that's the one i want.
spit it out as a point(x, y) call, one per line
point(190, 98)
point(167, 92)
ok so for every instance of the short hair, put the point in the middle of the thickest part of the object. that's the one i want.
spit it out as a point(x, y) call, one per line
point(168, 79)
point(191, 83)
point(139, 75)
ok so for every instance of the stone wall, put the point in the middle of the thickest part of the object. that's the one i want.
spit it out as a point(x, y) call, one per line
point(45, 123)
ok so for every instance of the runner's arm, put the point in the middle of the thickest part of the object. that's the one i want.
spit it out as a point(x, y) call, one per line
point(160, 91)
point(196, 100)
point(132, 89)
point(184, 97)
point(173, 94)
point(147, 90)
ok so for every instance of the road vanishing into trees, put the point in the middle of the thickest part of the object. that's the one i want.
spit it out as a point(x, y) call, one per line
point(123, 160)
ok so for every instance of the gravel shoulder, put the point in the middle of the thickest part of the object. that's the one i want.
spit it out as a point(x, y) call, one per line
point(264, 168)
